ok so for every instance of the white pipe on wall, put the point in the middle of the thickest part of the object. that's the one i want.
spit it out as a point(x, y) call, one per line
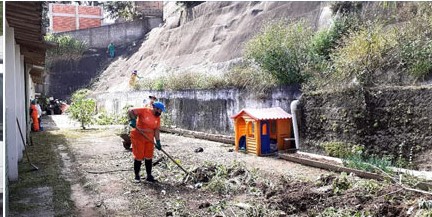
point(294, 109)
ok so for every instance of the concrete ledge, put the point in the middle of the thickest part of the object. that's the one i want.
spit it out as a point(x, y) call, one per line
point(326, 166)
point(426, 186)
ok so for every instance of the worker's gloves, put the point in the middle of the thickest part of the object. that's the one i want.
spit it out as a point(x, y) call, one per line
point(132, 123)
point(158, 145)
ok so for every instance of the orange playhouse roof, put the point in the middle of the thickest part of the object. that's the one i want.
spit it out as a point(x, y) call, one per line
point(265, 113)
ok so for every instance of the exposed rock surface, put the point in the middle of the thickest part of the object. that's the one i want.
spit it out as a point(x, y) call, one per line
point(208, 38)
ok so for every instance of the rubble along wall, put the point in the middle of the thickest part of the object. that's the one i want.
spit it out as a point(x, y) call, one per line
point(207, 111)
point(387, 121)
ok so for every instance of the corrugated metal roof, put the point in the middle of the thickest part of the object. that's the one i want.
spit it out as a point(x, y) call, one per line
point(265, 113)
point(26, 19)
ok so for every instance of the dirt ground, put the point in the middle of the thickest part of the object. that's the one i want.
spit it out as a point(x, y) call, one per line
point(89, 173)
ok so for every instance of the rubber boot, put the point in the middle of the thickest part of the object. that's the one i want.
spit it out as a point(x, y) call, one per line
point(137, 168)
point(148, 166)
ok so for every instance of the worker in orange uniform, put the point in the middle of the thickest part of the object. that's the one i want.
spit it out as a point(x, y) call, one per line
point(150, 103)
point(146, 120)
point(34, 115)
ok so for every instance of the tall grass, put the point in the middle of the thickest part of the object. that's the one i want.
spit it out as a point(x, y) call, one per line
point(241, 76)
point(281, 49)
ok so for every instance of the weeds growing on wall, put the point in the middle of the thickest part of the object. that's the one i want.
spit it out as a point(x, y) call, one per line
point(65, 47)
point(242, 76)
point(342, 149)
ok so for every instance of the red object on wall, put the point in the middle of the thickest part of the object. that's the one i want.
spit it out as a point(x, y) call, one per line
point(74, 17)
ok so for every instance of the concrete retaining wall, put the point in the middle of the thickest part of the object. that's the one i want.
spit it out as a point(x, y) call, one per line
point(387, 121)
point(119, 33)
point(206, 111)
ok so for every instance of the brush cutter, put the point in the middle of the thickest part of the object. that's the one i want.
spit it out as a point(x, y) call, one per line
point(169, 156)
point(25, 150)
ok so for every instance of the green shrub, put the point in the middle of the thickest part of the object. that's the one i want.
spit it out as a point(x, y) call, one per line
point(103, 118)
point(123, 118)
point(324, 41)
point(363, 53)
point(281, 50)
point(374, 53)
point(341, 149)
point(370, 186)
point(82, 108)
point(415, 46)
point(66, 47)
point(323, 44)
point(341, 184)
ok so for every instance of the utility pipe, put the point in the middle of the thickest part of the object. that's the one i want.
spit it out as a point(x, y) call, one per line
point(294, 109)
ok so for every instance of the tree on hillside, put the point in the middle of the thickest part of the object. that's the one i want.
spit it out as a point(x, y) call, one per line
point(121, 9)
point(82, 108)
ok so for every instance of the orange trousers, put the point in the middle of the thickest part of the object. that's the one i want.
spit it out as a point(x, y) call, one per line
point(35, 123)
point(141, 147)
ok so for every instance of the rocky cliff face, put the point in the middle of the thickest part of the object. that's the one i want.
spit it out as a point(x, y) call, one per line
point(207, 38)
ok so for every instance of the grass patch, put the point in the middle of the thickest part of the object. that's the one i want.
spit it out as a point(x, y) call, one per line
point(43, 154)
point(368, 164)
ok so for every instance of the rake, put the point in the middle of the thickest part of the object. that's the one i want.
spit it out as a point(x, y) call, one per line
point(25, 150)
point(169, 156)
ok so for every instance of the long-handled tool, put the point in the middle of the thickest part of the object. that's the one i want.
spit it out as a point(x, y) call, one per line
point(169, 156)
point(25, 150)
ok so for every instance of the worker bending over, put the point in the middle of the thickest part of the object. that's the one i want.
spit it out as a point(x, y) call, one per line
point(146, 121)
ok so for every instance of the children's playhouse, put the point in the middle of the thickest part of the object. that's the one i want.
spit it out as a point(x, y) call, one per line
point(262, 131)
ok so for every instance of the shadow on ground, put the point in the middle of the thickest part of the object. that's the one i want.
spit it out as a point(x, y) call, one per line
point(42, 192)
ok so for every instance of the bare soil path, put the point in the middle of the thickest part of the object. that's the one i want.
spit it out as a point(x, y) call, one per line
point(85, 165)
point(89, 173)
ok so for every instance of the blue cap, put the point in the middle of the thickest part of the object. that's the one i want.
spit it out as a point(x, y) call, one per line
point(159, 105)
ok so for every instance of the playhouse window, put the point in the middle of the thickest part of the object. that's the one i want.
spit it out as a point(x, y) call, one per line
point(250, 129)
point(264, 129)
point(273, 127)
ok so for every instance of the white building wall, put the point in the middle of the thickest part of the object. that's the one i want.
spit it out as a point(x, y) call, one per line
point(19, 106)
point(2, 124)
point(14, 103)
